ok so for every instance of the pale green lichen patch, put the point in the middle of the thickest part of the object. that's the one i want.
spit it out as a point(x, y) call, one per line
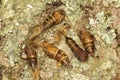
point(6, 9)
point(28, 8)
point(100, 28)
point(10, 49)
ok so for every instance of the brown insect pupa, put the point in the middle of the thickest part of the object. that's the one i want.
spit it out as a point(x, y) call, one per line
point(31, 56)
point(88, 41)
point(54, 19)
point(55, 53)
point(78, 52)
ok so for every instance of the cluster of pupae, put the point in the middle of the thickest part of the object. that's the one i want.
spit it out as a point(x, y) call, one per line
point(52, 51)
